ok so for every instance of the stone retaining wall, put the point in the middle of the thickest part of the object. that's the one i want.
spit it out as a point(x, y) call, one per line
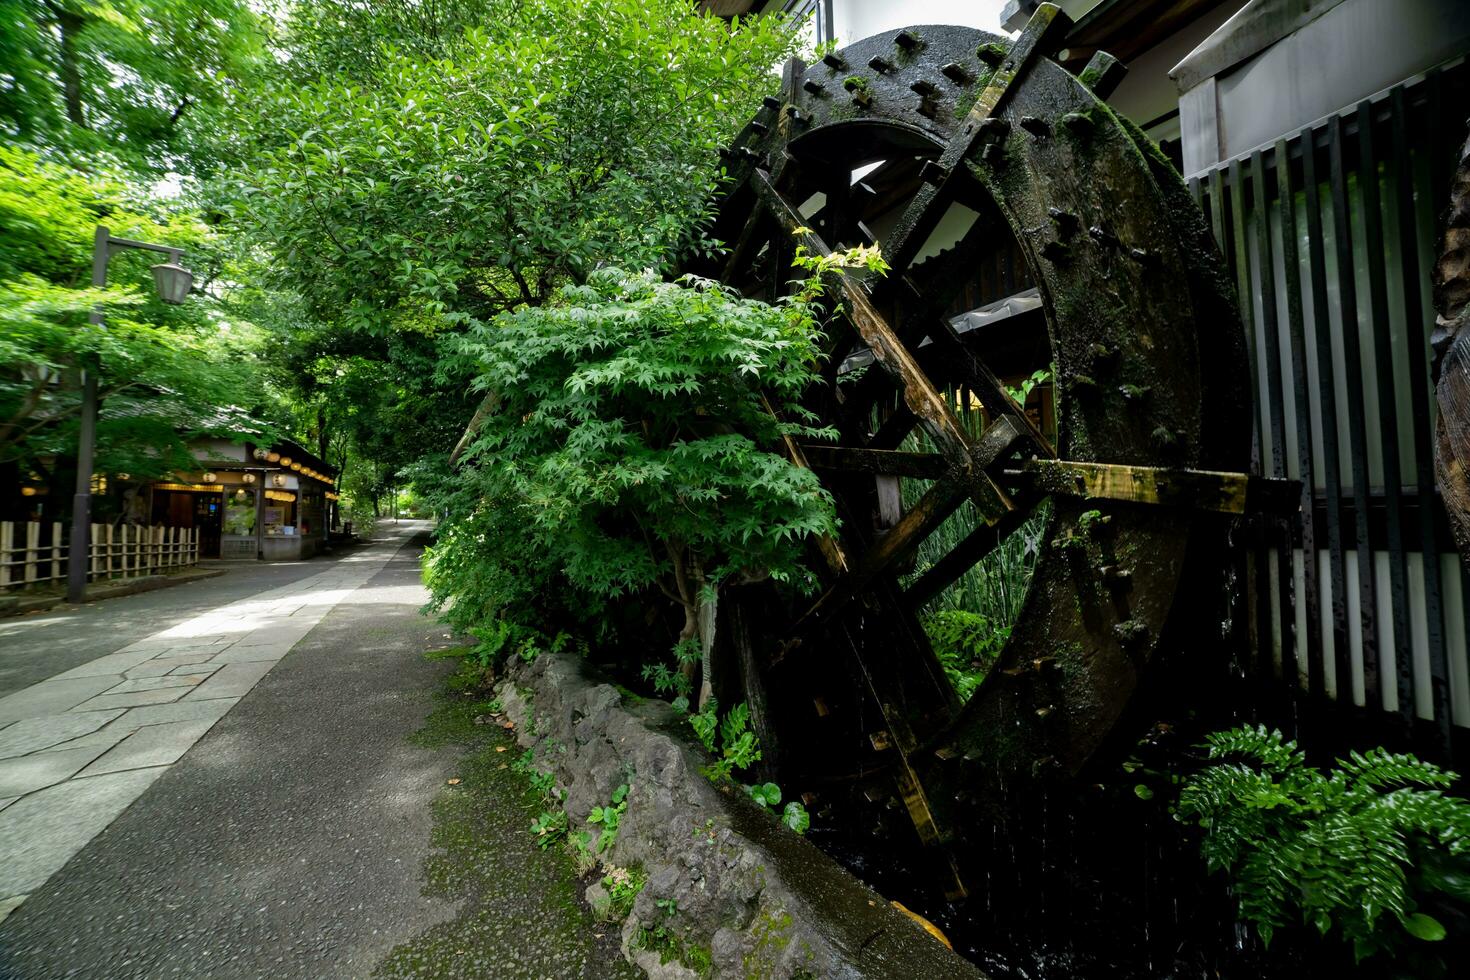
point(760, 900)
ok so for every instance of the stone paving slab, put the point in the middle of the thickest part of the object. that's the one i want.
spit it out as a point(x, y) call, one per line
point(40, 832)
point(247, 655)
point(159, 666)
point(28, 773)
point(158, 683)
point(271, 637)
point(104, 740)
point(196, 669)
point(231, 681)
point(158, 714)
point(113, 663)
point(132, 699)
point(37, 734)
point(52, 697)
point(154, 745)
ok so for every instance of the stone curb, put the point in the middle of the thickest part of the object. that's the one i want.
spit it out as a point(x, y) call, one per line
point(757, 899)
point(15, 605)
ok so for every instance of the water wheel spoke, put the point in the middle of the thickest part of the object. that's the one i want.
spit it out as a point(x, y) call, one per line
point(745, 246)
point(831, 550)
point(896, 544)
point(919, 394)
point(894, 429)
point(879, 462)
point(970, 370)
point(965, 556)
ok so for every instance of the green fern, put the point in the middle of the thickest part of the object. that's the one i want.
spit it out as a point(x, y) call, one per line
point(1340, 851)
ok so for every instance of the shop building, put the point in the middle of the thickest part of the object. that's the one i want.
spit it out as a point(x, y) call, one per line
point(275, 503)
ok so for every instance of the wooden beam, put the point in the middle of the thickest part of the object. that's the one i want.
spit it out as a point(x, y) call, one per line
point(882, 462)
point(1208, 490)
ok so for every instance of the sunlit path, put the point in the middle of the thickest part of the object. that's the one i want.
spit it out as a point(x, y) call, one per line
point(79, 748)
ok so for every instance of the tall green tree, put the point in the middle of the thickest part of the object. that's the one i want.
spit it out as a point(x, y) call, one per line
point(350, 40)
point(119, 79)
point(554, 136)
point(165, 373)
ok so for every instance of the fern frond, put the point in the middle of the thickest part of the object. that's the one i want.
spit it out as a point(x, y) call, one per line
point(1269, 748)
point(1335, 851)
point(1379, 767)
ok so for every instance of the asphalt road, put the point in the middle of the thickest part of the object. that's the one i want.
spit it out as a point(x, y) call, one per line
point(290, 840)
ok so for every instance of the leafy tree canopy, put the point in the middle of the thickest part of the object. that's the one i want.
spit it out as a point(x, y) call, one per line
point(118, 81)
point(165, 372)
point(553, 136)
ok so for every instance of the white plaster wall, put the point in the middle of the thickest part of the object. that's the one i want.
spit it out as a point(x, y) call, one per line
point(853, 20)
point(1147, 91)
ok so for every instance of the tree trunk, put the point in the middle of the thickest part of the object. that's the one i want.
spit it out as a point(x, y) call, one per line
point(689, 632)
point(687, 580)
point(70, 25)
point(1452, 344)
point(706, 619)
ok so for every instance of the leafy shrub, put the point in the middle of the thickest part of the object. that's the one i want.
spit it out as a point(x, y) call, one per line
point(608, 817)
point(1363, 849)
point(549, 827)
point(741, 749)
point(627, 456)
point(967, 645)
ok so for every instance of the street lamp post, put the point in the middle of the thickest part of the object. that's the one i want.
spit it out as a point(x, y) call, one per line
point(173, 282)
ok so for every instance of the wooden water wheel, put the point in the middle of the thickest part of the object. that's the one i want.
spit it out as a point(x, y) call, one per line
point(964, 153)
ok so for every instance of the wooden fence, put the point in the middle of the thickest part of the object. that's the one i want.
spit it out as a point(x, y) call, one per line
point(1330, 234)
point(34, 555)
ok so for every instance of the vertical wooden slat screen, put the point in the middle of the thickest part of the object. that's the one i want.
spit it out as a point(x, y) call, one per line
point(33, 554)
point(1384, 383)
point(1331, 465)
point(1401, 178)
point(1346, 281)
point(1330, 234)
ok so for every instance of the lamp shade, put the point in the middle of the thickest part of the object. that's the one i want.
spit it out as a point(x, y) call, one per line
point(210, 477)
point(173, 282)
point(248, 477)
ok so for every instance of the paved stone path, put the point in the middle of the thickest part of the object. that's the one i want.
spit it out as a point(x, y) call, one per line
point(78, 748)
